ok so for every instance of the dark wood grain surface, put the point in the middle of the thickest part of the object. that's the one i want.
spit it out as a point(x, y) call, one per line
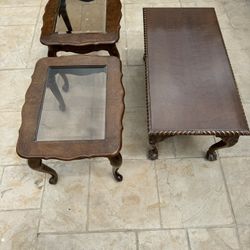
point(190, 82)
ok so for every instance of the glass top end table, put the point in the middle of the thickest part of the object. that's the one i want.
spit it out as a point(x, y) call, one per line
point(73, 110)
point(81, 26)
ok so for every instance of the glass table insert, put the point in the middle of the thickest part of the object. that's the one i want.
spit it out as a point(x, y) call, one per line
point(80, 114)
point(78, 16)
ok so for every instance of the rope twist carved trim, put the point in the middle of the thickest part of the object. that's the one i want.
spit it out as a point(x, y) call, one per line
point(219, 133)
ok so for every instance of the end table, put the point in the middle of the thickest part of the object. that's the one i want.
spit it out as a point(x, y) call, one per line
point(81, 26)
point(83, 120)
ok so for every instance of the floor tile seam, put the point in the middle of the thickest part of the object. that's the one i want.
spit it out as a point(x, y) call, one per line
point(13, 69)
point(17, 25)
point(19, 210)
point(1, 177)
point(165, 159)
point(188, 239)
point(158, 193)
point(41, 204)
point(137, 230)
point(19, 6)
point(243, 225)
point(159, 160)
point(137, 240)
point(238, 237)
point(235, 156)
point(126, 36)
point(40, 210)
point(125, 33)
point(151, 2)
point(34, 33)
point(12, 165)
point(88, 198)
point(15, 7)
point(230, 202)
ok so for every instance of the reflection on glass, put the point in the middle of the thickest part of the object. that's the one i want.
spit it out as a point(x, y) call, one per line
point(81, 16)
point(74, 105)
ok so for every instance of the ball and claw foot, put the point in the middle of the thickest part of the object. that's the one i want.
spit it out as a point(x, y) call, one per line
point(116, 162)
point(211, 156)
point(53, 180)
point(118, 177)
point(153, 154)
point(36, 164)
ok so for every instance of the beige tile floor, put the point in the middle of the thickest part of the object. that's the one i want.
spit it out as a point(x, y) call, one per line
point(180, 201)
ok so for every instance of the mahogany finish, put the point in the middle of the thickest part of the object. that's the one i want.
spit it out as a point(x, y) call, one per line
point(191, 88)
point(80, 42)
point(34, 150)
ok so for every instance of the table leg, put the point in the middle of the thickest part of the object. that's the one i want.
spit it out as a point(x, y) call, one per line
point(36, 164)
point(153, 151)
point(225, 142)
point(116, 162)
point(51, 51)
point(113, 51)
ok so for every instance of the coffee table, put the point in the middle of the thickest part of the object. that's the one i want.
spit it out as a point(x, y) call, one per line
point(83, 122)
point(190, 85)
point(81, 26)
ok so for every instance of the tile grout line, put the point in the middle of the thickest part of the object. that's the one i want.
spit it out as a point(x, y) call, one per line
point(135, 230)
point(230, 202)
point(88, 198)
point(137, 240)
point(21, 209)
point(41, 206)
point(1, 177)
point(34, 33)
point(14, 69)
point(188, 239)
point(158, 193)
point(126, 36)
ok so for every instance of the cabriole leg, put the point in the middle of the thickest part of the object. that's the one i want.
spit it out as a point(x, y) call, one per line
point(116, 162)
point(225, 142)
point(36, 164)
point(51, 51)
point(113, 51)
point(153, 151)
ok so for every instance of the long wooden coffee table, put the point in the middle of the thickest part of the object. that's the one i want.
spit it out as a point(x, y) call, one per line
point(190, 85)
point(83, 122)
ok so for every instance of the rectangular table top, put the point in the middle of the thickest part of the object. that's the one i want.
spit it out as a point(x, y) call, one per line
point(190, 82)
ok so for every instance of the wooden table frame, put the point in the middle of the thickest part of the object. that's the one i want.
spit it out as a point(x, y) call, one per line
point(82, 42)
point(28, 147)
